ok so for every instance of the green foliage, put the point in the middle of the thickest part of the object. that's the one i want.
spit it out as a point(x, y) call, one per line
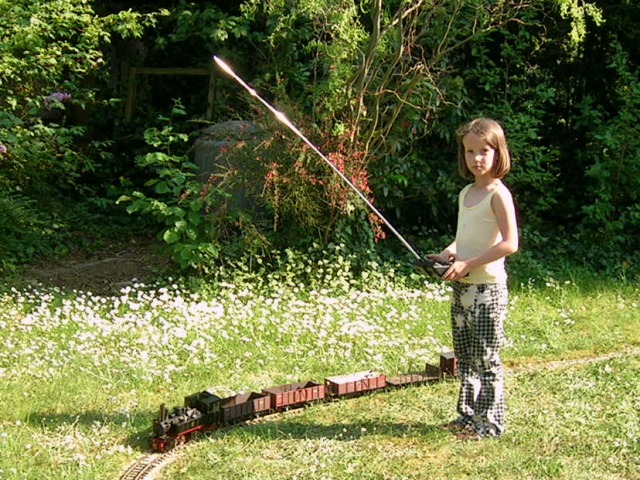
point(383, 74)
point(579, 13)
point(33, 232)
point(504, 82)
point(263, 195)
point(380, 86)
point(22, 227)
point(612, 203)
point(185, 208)
point(54, 101)
point(206, 23)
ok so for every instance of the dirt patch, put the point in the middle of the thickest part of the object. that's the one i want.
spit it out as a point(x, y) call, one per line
point(106, 271)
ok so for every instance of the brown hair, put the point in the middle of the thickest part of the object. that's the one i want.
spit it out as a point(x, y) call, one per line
point(492, 133)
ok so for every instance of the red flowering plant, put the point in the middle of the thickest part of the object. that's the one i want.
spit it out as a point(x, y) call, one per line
point(304, 193)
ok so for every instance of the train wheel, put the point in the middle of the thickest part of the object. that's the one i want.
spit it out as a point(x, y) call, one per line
point(159, 445)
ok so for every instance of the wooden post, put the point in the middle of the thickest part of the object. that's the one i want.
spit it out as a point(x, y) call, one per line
point(211, 98)
point(132, 93)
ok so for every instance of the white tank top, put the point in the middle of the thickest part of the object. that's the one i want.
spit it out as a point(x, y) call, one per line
point(477, 231)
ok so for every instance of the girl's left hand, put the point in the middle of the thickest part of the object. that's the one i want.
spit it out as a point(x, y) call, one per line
point(457, 271)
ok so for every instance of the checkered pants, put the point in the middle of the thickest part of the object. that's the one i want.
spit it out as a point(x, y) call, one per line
point(477, 316)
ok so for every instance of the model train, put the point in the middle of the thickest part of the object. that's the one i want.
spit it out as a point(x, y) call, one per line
point(205, 412)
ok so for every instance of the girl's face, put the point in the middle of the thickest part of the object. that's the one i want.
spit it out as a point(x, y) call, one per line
point(479, 155)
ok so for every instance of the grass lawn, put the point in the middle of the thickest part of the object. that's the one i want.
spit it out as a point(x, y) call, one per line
point(83, 375)
point(575, 423)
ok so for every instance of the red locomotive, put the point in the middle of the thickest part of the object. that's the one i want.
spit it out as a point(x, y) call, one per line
point(205, 411)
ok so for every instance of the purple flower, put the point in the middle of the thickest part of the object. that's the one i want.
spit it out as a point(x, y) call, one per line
point(3, 149)
point(56, 98)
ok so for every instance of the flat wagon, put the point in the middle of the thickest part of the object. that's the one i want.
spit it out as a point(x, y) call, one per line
point(430, 374)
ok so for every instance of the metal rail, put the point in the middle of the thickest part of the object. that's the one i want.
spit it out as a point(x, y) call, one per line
point(148, 466)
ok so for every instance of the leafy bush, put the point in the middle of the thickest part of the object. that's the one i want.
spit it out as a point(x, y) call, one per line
point(290, 193)
point(379, 86)
point(611, 208)
point(183, 206)
point(53, 66)
point(23, 228)
point(52, 115)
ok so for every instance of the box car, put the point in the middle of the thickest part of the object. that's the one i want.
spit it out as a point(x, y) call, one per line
point(448, 364)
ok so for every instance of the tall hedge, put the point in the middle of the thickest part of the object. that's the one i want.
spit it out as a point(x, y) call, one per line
point(379, 85)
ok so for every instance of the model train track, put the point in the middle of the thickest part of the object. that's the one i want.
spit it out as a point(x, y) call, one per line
point(567, 363)
point(144, 467)
point(149, 465)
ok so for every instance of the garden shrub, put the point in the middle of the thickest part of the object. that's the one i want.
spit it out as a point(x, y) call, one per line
point(379, 86)
point(53, 80)
point(611, 205)
point(184, 207)
point(290, 190)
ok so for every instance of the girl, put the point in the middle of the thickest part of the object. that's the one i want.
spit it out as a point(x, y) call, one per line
point(487, 232)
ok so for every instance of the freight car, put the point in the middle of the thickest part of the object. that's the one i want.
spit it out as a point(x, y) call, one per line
point(345, 386)
point(204, 411)
point(430, 374)
point(295, 395)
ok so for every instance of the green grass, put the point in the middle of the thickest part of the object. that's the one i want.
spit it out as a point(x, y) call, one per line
point(575, 423)
point(82, 376)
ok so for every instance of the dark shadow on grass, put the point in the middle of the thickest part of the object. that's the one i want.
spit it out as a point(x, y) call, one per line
point(57, 422)
point(266, 428)
point(338, 431)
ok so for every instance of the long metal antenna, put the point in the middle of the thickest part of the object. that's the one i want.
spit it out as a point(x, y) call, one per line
point(282, 118)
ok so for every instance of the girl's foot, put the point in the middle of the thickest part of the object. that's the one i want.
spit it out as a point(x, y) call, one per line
point(469, 434)
point(472, 433)
point(458, 425)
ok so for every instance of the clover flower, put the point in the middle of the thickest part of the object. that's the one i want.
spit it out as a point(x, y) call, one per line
point(154, 332)
point(3, 149)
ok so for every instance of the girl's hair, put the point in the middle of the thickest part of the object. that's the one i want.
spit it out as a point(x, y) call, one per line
point(492, 133)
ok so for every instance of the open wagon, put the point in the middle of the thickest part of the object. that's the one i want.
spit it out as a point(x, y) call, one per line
point(295, 394)
point(354, 384)
point(244, 406)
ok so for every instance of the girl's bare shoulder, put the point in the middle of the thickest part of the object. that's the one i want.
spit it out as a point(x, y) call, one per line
point(503, 190)
point(502, 194)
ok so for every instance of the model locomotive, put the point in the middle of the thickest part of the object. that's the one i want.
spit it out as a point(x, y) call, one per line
point(205, 412)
